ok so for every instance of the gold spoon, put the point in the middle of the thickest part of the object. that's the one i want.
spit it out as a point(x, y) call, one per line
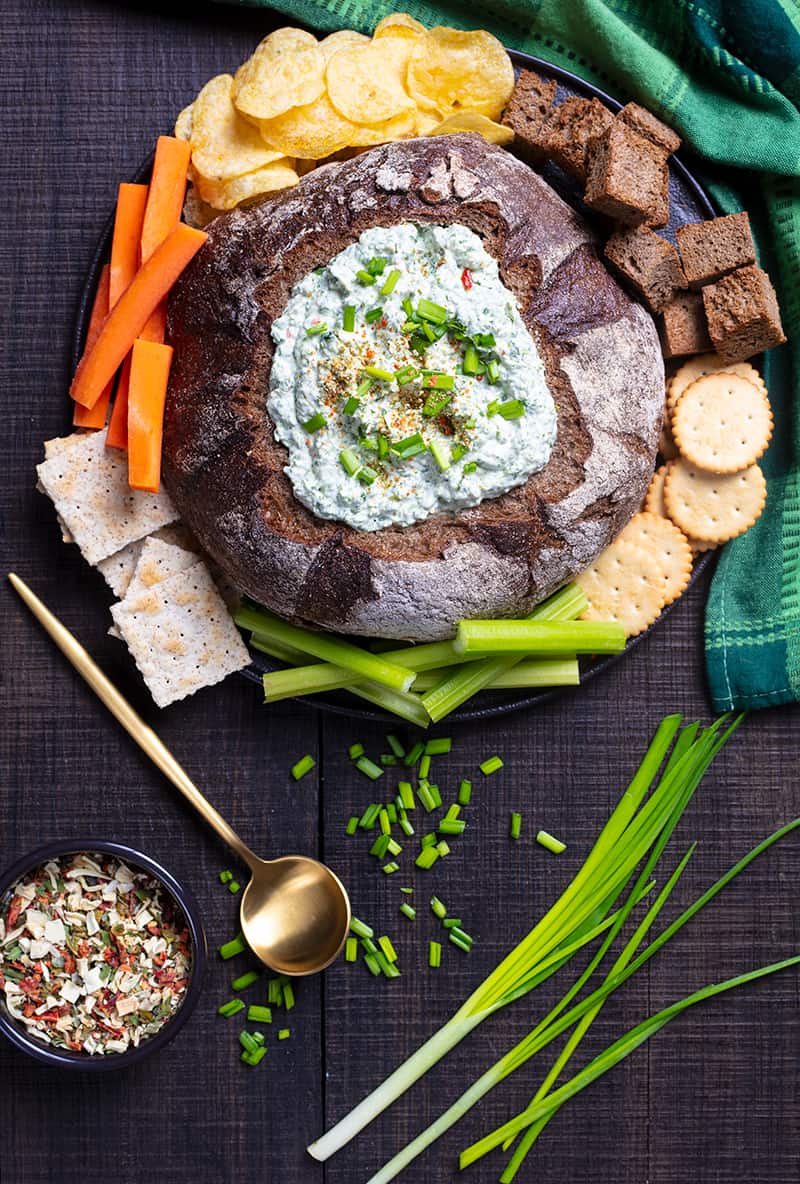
point(295, 912)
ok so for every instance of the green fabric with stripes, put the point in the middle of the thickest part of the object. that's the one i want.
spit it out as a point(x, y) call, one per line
point(726, 75)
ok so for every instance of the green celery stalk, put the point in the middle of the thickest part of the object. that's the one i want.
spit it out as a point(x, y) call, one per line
point(542, 672)
point(540, 637)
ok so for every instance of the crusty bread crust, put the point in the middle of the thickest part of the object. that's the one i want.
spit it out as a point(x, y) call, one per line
point(224, 468)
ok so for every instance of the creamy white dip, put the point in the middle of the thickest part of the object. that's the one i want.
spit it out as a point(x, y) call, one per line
point(480, 437)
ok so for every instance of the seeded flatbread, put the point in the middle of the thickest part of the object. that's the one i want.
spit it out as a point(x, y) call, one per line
point(701, 365)
point(710, 507)
point(158, 560)
point(663, 539)
point(181, 635)
point(722, 423)
point(88, 485)
point(624, 584)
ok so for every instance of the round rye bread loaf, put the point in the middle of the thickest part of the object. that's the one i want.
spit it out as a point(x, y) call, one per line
point(225, 470)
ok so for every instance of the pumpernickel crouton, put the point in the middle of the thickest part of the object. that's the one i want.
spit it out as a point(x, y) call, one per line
point(570, 128)
point(649, 263)
point(627, 177)
point(648, 125)
point(527, 112)
point(743, 314)
point(683, 327)
point(709, 250)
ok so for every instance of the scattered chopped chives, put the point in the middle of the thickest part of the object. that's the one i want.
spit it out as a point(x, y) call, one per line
point(380, 846)
point(452, 826)
point(315, 330)
point(406, 793)
point(369, 769)
point(413, 754)
point(369, 817)
point(472, 362)
point(451, 922)
point(363, 387)
point(430, 311)
point(405, 825)
point(428, 840)
point(248, 1042)
point(376, 265)
point(234, 886)
point(438, 907)
point(349, 461)
point(374, 314)
point(435, 954)
point(408, 911)
point(427, 857)
point(457, 940)
point(275, 990)
point(377, 372)
point(387, 759)
point(435, 794)
point(360, 928)
point(390, 283)
point(493, 370)
point(405, 449)
point(453, 811)
point(368, 945)
point(225, 877)
point(254, 1058)
point(439, 746)
point(371, 962)
point(388, 949)
point(231, 948)
point(364, 277)
point(355, 751)
point(245, 980)
point(230, 1008)
point(511, 409)
point(484, 340)
point(366, 475)
point(435, 404)
point(351, 405)
point(257, 1014)
point(515, 829)
point(424, 765)
point(443, 848)
point(395, 745)
point(351, 949)
point(490, 765)
point(349, 318)
point(383, 822)
point(407, 891)
point(391, 810)
point(352, 825)
point(393, 847)
point(550, 842)
point(284, 1033)
point(426, 797)
point(288, 995)
point(259, 1036)
point(405, 374)
point(465, 793)
point(388, 969)
point(389, 869)
point(471, 466)
point(303, 766)
point(407, 307)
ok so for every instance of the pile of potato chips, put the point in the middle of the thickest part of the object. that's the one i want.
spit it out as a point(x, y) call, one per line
point(299, 101)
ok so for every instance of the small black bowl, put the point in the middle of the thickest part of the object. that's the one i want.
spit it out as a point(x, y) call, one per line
point(66, 1058)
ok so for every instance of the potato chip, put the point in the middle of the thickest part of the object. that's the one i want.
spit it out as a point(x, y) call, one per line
point(425, 122)
point(223, 144)
point(286, 70)
point(310, 132)
point(183, 124)
point(399, 128)
point(366, 83)
point(341, 39)
point(450, 70)
point(399, 24)
point(226, 195)
point(470, 121)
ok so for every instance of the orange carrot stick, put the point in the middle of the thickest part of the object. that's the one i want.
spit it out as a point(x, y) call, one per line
point(133, 310)
point(126, 243)
point(163, 212)
point(150, 362)
point(96, 418)
point(117, 434)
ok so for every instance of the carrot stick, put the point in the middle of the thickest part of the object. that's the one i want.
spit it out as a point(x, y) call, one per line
point(149, 374)
point(126, 243)
point(133, 310)
point(117, 434)
point(96, 418)
point(163, 212)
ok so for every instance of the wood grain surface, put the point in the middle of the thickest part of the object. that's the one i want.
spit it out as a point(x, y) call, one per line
point(713, 1099)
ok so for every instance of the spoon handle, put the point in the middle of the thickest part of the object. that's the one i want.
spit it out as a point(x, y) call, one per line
point(131, 721)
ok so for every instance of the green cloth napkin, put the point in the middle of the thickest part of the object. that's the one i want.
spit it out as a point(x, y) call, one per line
point(726, 75)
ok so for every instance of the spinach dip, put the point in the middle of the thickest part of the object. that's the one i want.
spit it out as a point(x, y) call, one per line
point(404, 382)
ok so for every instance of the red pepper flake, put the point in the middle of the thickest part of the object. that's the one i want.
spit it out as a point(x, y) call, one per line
point(466, 279)
point(14, 910)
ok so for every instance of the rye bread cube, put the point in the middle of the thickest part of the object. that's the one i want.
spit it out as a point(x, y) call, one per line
point(743, 314)
point(649, 126)
point(649, 263)
point(527, 112)
point(683, 329)
point(712, 249)
point(627, 178)
point(570, 128)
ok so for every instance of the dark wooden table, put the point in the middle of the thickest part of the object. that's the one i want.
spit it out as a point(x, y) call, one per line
point(714, 1099)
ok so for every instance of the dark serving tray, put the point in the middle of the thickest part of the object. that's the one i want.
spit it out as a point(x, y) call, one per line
point(688, 203)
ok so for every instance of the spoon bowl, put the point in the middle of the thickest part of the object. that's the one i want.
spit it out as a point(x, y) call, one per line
point(295, 914)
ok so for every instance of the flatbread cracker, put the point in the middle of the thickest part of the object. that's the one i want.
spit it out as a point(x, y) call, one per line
point(624, 584)
point(181, 635)
point(722, 422)
point(713, 508)
point(158, 560)
point(702, 364)
point(663, 539)
point(118, 568)
point(88, 485)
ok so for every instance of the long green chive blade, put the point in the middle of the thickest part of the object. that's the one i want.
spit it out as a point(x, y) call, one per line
point(539, 637)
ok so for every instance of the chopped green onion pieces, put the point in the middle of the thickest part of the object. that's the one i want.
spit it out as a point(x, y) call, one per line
point(428, 311)
point(465, 793)
point(377, 372)
point(234, 886)
point(406, 792)
point(436, 381)
point(395, 745)
point(370, 816)
point(457, 940)
point(225, 877)
point(451, 922)
point(288, 995)
point(511, 409)
point(437, 797)
point(472, 362)
point(435, 955)
point(388, 969)
point(253, 1058)
point(440, 452)
point(411, 446)
point(427, 857)
point(490, 765)
point(408, 911)
point(351, 405)
point(368, 945)
point(424, 765)
point(407, 891)
point(366, 475)
point(284, 1033)
point(493, 370)
point(364, 277)
point(350, 462)
point(438, 907)
point(231, 948)
point(257, 1014)
point(380, 846)
point(405, 374)
point(363, 387)
point(407, 307)
point(484, 340)
point(376, 265)
point(471, 466)
point(413, 754)
point(391, 810)
point(453, 811)
point(360, 928)
point(439, 746)
point(303, 766)
point(374, 314)
point(349, 318)
point(369, 769)
point(405, 825)
point(388, 759)
point(550, 842)
point(248, 1042)
point(355, 751)
point(389, 869)
point(372, 964)
point(388, 949)
point(230, 1008)
point(443, 848)
point(394, 847)
point(426, 797)
point(245, 980)
point(390, 283)
point(428, 840)
point(515, 829)
point(351, 949)
point(275, 990)
point(452, 826)
point(435, 404)
point(383, 822)
point(352, 825)
point(315, 330)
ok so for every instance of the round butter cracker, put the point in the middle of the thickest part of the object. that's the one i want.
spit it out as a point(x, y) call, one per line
point(663, 539)
point(712, 508)
point(722, 423)
point(701, 365)
point(654, 498)
point(624, 584)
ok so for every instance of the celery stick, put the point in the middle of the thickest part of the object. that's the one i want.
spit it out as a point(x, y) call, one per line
point(285, 653)
point(540, 637)
point(306, 680)
point(401, 703)
point(542, 672)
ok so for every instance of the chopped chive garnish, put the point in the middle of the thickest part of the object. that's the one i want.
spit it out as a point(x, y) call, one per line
point(435, 404)
point(436, 381)
point(257, 1014)
point(407, 794)
point(439, 747)
point(427, 858)
point(405, 374)
point(408, 307)
point(315, 423)
point(391, 810)
point(452, 826)
point(443, 848)
point(435, 954)
point(550, 842)
point(380, 846)
point(371, 962)
point(428, 840)
point(437, 797)
point(458, 939)
point(355, 751)
point(253, 1058)
point(459, 450)
point(390, 283)
point(388, 969)
point(413, 755)
point(244, 980)
point(451, 922)
point(465, 793)
point(351, 949)
point(373, 315)
point(248, 1043)
point(366, 475)
point(352, 825)
point(376, 265)
point(472, 362)
point(363, 387)
point(349, 318)
point(224, 878)
point(351, 405)
point(430, 311)
point(288, 995)
point(360, 928)
point(484, 340)
point(275, 990)
point(490, 765)
point(315, 330)
point(407, 891)
point(231, 948)
point(230, 1008)
point(511, 409)
point(383, 446)
point(426, 797)
point(388, 949)
point(405, 825)
point(350, 462)
point(411, 446)
point(387, 759)
point(440, 451)
point(395, 745)
point(284, 1033)
point(383, 822)
point(408, 911)
point(471, 466)
point(493, 370)
point(515, 829)
point(394, 847)
point(303, 766)
point(424, 765)
point(368, 945)
point(389, 869)
point(370, 816)
point(453, 811)
point(369, 769)
point(377, 372)
point(234, 886)
point(438, 907)
point(364, 277)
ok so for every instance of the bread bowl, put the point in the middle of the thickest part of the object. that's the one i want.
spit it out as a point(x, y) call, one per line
point(224, 466)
